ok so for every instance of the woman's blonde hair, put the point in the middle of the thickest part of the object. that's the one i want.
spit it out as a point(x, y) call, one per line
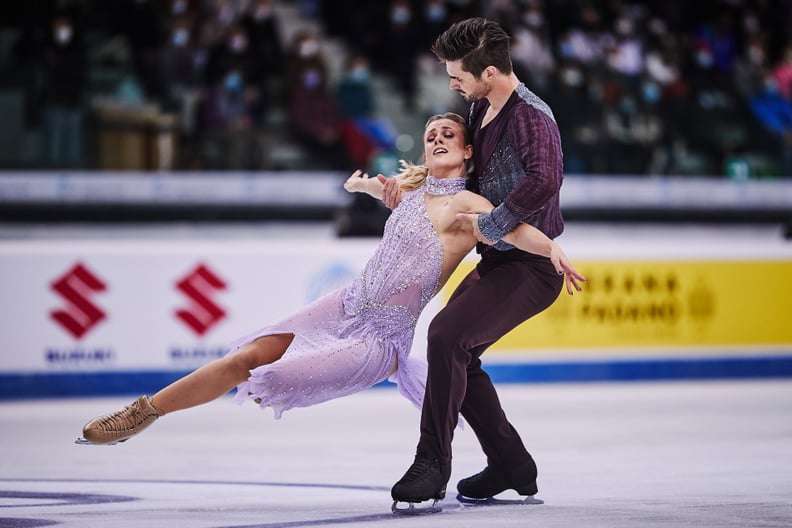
point(413, 176)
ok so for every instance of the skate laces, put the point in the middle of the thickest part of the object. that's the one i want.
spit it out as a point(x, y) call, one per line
point(123, 421)
point(419, 469)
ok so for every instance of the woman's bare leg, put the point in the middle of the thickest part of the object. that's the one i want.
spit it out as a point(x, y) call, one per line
point(221, 375)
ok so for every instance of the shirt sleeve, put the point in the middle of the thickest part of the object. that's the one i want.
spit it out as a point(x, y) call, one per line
point(537, 143)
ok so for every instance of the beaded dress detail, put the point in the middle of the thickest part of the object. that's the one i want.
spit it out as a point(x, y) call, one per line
point(351, 339)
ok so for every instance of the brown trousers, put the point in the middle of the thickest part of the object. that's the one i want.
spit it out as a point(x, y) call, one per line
point(505, 289)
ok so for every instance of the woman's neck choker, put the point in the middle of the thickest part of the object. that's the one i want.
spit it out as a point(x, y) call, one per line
point(444, 186)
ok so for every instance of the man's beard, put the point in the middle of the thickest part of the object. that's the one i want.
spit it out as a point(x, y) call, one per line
point(479, 92)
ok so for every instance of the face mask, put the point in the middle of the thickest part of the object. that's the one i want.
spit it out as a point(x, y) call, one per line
point(179, 7)
point(751, 24)
point(624, 27)
point(565, 49)
point(63, 35)
point(400, 15)
point(651, 92)
point(233, 81)
point(533, 19)
point(180, 37)
point(704, 58)
point(359, 73)
point(311, 79)
point(225, 15)
point(627, 105)
point(238, 43)
point(756, 55)
point(436, 13)
point(263, 13)
point(308, 48)
point(657, 27)
point(572, 77)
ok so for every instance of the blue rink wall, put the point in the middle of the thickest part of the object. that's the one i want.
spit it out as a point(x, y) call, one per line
point(14, 386)
point(108, 315)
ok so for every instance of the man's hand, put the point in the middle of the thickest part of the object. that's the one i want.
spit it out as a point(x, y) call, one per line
point(391, 192)
point(472, 218)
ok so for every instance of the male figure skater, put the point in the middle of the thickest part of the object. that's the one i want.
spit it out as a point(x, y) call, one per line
point(519, 168)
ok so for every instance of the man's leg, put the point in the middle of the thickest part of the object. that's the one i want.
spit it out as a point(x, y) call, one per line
point(458, 334)
point(428, 475)
point(509, 465)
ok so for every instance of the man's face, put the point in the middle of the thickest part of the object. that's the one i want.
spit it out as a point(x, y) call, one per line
point(469, 87)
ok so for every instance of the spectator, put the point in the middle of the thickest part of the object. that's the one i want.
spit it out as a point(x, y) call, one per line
point(233, 53)
point(64, 61)
point(221, 16)
point(435, 21)
point(718, 41)
point(750, 67)
point(364, 132)
point(230, 135)
point(577, 106)
point(625, 55)
point(182, 63)
point(633, 128)
point(401, 42)
point(531, 51)
point(142, 24)
point(263, 30)
point(311, 104)
point(782, 73)
point(774, 112)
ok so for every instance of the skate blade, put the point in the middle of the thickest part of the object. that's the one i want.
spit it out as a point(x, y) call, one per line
point(412, 510)
point(494, 501)
point(82, 441)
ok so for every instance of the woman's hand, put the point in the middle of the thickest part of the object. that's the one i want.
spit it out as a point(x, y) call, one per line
point(562, 265)
point(356, 182)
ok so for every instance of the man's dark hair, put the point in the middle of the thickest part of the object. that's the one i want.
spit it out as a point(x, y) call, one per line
point(478, 43)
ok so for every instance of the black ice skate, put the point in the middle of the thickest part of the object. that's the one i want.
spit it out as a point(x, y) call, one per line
point(425, 479)
point(481, 488)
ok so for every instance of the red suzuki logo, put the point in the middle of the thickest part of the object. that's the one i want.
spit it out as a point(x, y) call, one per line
point(198, 286)
point(76, 287)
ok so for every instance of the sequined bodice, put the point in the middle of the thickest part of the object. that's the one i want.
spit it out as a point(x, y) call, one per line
point(403, 274)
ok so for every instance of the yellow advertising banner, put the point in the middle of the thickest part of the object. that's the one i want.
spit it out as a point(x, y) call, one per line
point(663, 303)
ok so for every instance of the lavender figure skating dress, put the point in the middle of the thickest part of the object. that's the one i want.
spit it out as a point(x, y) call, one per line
point(352, 338)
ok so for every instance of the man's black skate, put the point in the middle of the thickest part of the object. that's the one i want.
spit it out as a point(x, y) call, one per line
point(426, 479)
point(482, 487)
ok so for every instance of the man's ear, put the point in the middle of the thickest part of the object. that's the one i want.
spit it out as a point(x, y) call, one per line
point(489, 71)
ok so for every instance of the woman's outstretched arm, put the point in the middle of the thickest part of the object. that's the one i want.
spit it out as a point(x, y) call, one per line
point(530, 239)
point(361, 182)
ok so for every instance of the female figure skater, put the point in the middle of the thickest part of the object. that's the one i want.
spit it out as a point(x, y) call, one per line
point(361, 334)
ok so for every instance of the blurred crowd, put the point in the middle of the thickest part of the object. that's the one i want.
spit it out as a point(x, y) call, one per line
point(672, 87)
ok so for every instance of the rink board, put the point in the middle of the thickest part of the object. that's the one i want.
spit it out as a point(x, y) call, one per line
point(103, 317)
point(663, 303)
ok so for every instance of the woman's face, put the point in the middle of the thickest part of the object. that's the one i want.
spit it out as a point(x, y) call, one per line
point(444, 148)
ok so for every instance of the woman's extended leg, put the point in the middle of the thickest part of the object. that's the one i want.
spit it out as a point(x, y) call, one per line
point(201, 386)
point(221, 375)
